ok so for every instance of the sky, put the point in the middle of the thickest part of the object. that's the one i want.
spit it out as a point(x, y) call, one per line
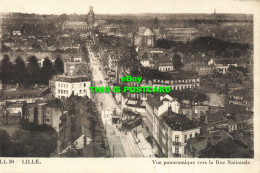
point(129, 6)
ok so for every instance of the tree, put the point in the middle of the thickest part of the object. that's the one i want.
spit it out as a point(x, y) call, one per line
point(4, 143)
point(58, 66)
point(176, 60)
point(6, 69)
point(155, 23)
point(46, 71)
point(5, 48)
point(34, 141)
point(19, 70)
point(33, 70)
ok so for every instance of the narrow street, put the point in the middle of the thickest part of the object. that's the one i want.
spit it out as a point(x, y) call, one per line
point(121, 144)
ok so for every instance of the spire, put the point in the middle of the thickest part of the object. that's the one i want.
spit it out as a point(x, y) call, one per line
point(91, 16)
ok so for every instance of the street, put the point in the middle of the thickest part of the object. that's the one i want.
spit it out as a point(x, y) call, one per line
point(121, 144)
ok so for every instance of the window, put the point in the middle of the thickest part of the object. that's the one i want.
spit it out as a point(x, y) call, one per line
point(72, 85)
point(58, 91)
point(176, 138)
point(47, 120)
point(84, 84)
point(177, 150)
point(190, 135)
point(185, 138)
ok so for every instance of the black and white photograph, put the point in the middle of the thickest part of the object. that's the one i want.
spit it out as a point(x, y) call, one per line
point(127, 79)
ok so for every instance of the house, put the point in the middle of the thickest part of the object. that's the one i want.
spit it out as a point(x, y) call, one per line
point(238, 117)
point(222, 65)
point(212, 121)
point(43, 112)
point(238, 97)
point(17, 33)
point(165, 65)
point(159, 105)
point(204, 69)
point(65, 86)
point(197, 145)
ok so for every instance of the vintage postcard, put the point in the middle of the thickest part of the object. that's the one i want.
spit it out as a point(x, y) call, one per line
point(129, 86)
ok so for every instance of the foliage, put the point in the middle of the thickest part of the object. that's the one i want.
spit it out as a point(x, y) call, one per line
point(18, 72)
point(5, 48)
point(46, 70)
point(30, 141)
point(33, 70)
point(58, 66)
point(6, 69)
point(177, 62)
point(4, 143)
point(205, 44)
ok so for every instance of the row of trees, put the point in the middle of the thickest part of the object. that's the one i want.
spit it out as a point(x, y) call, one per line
point(32, 73)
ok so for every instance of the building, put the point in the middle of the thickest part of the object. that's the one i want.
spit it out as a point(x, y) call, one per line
point(159, 105)
point(65, 86)
point(192, 104)
point(27, 95)
point(181, 34)
point(91, 17)
point(204, 70)
point(11, 113)
point(144, 37)
point(171, 132)
point(181, 83)
point(17, 33)
point(75, 25)
point(222, 65)
point(165, 65)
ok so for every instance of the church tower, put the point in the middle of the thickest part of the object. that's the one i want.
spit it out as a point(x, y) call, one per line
point(91, 17)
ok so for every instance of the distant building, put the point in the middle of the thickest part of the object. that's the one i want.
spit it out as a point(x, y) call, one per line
point(65, 86)
point(165, 65)
point(17, 33)
point(221, 65)
point(204, 70)
point(182, 83)
point(91, 17)
point(75, 25)
point(144, 38)
point(181, 34)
